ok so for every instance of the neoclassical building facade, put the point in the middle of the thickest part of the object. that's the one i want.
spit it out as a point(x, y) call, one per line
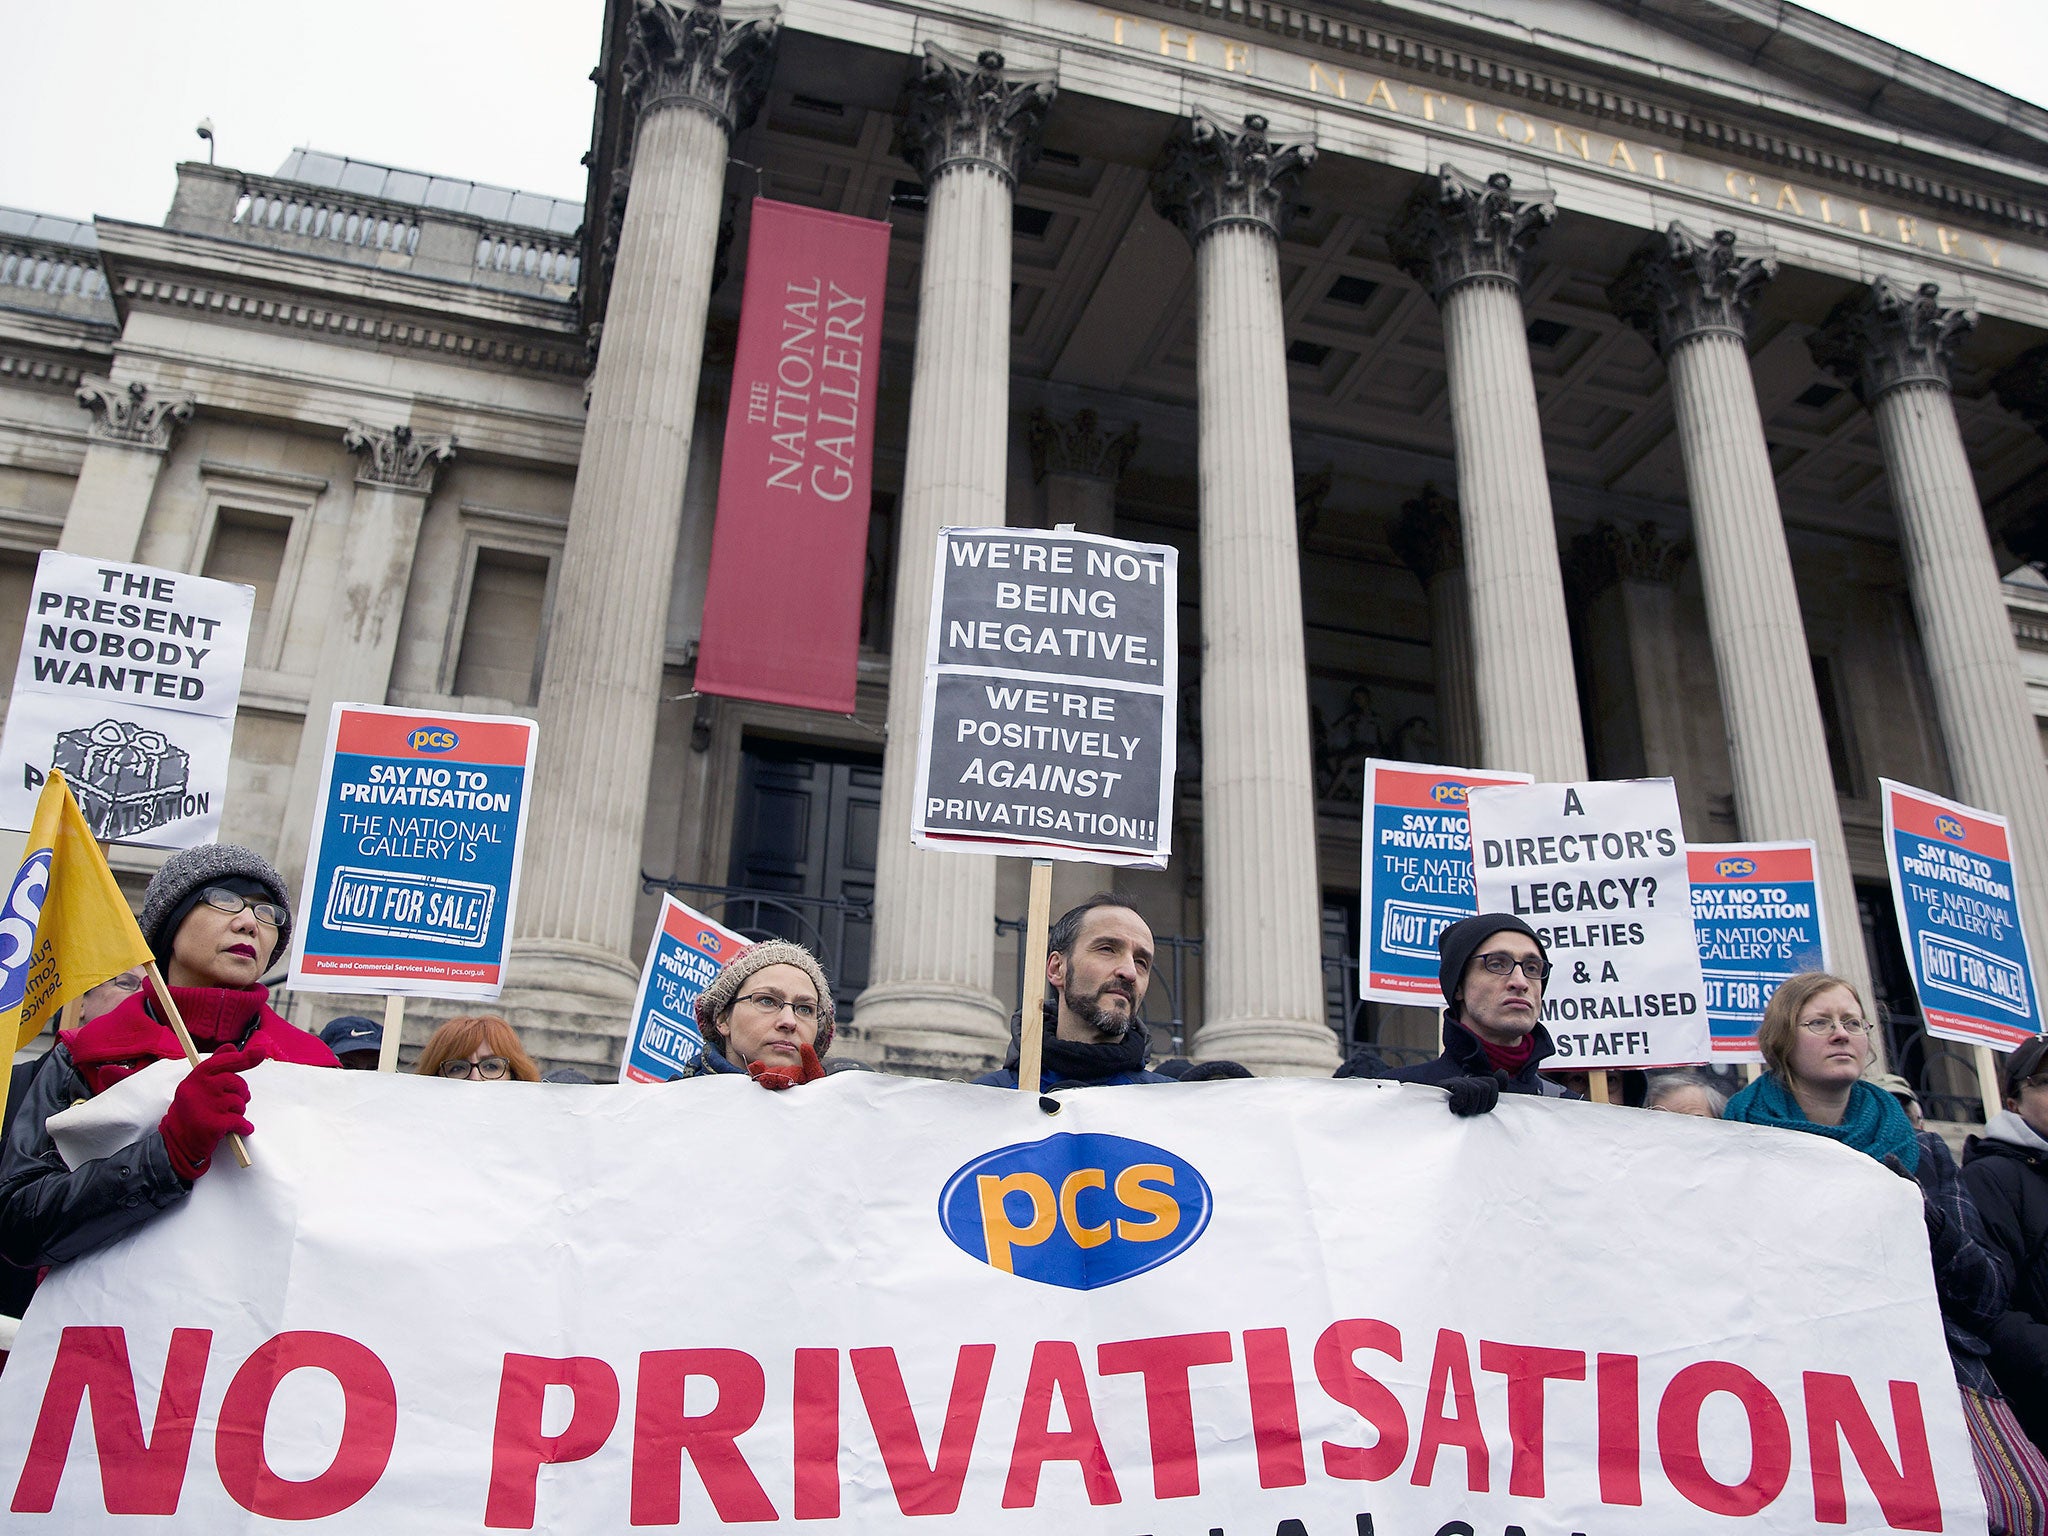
point(1619, 389)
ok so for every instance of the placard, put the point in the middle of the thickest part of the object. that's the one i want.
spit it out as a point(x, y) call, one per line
point(413, 872)
point(1417, 874)
point(128, 681)
point(1598, 869)
point(686, 952)
point(1756, 908)
point(1049, 691)
point(1959, 918)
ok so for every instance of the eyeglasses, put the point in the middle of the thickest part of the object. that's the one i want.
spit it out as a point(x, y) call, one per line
point(1499, 962)
point(221, 899)
point(490, 1069)
point(127, 981)
point(1829, 1026)
point(769, 1003)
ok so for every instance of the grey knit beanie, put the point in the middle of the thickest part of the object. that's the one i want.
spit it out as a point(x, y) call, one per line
point(174, 891)
point(742, 967)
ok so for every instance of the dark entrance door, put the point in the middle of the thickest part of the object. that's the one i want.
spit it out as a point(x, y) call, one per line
point(804, 839)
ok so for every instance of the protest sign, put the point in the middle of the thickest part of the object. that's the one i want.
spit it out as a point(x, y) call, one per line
point(1049, 691)
point(1598, 869)
point(128, 681)
point(883, 1305)
point(684, 955)
point(1959, 918)
point(1417, 876)
point(413, 872)
point(1756, 911)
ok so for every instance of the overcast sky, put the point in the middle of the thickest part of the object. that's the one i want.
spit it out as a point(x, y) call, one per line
point(98, 101)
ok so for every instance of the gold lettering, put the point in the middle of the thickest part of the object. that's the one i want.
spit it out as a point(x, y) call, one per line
point(1950, 242)
point(1585, 141)
point(1166, 43)
point(1235, 54)
point(1619, 154)
point(1319, 78)
point(1787, 197)
point(1116, 26)
point(1994, 249)
point(1909, 230)
point(1500, 126)
point(1429, 101)
point(1381, 91)
point(1736, 191)
point(1657, 159)
point(1863, 217)
point(1471, 118)
point(1825, 216)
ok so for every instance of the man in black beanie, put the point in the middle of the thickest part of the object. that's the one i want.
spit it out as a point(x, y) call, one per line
point(1492, 971)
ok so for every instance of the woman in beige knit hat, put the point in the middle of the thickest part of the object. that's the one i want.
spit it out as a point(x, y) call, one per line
point(768, 1013)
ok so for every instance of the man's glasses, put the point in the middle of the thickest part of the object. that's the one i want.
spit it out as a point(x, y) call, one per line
point(1499, 962)
point(221, 899)
point(769, 1003)
point(490, 1069)
point(1829, 1026)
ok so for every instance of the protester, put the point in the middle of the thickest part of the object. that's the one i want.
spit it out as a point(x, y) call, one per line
point(568, 1075)
point(110, 994)
point(1815, 1039)
point(1215, 1071)
point(356, 1041)
point(1685, 1092)
point(1098, 965)
point(215, 917)
point(2006, 1173)
point(767, 1013)
point(480, 1047)
point(1902, 1090)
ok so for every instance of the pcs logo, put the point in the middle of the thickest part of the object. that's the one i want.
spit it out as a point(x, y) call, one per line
point(1076, 1210)
point(1950, 827)
point(1735, 869)
point(433, 738)
point(1450, 794)
point(18, 921)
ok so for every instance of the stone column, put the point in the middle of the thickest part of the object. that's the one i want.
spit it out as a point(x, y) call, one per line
point(1692, 298)
point(1228, 189)
point(128, 440)
point(1893, 347)
point(1467, 242)
point(1427, 539)
point(1079, 462)
point(394, 478)
point(971, 130)
point(695, 75)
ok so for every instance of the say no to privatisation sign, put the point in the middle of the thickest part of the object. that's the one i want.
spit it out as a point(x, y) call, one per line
point(1757, 914)
point(685, 955)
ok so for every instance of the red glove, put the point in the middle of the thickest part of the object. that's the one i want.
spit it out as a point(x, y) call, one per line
point(209, 1103)
point(778, 1078)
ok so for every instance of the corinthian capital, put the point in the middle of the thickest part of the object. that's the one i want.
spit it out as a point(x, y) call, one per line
point(1427, 535)
point(977, 111)
point(1453, 229)
point(397, 458)
point(1078, 445)
point(704, 56)
point(1678, 286)
point(1884, 337)
point(1213, 176)
point(1608, 555)
point(132, 415)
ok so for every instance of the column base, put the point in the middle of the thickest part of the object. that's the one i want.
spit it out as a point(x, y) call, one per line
point(1270, 1047)
point(929, 1017)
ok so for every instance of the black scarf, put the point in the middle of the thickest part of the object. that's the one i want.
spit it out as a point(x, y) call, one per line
point(1083, 1061)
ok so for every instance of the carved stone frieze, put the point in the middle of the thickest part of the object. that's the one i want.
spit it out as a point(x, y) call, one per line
point(1427, 535)
point(707, 56)
point(1884, 337)
point(979, 111)
point(1606, 555)
point(132, 415)
point(2022, 388)
point(397, 458)
point(1077, 445)
point(1453, 229)
point(1213, 175)
point(1678, 286)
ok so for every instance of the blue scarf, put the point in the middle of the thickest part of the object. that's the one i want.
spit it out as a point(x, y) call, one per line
point(1873, 1124)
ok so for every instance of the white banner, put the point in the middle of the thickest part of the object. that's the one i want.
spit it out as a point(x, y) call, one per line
point(1598, 869)
point(128, 681)
point(882, 1304)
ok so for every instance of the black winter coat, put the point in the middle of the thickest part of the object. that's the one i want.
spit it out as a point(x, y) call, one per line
point(1465, 1056)
point(2009, 1184)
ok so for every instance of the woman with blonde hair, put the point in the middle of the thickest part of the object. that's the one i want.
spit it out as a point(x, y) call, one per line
point(1816, 1042)
point(481, 1046)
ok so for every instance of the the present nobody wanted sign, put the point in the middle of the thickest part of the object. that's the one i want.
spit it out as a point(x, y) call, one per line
point(128, 681)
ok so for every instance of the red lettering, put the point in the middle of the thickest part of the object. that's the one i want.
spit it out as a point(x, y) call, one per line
point(924, 1486)
point(814, 1419)
point(1678, 1439)
point(1276, 1416)
point(137, 1477)
point(663, 1434)
point(1450, 1383)
point(1056, 1371)
point(1619, 1392)
point(1169, 1402)
point(519, 1450)
point(1905, 1492)
point(1527, 1367)
point(1365, 1395)
point(369, 1427)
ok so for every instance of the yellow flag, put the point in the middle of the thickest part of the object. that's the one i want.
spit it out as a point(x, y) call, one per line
point(65, 927)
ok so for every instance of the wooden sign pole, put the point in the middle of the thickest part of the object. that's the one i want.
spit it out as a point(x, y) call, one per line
point(177, 1023)
point(394, 1027)
point(1987, 1081)
point(1597, 1081)
point(1031, 1022)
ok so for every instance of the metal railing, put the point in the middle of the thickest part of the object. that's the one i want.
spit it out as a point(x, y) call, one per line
point(816, 922)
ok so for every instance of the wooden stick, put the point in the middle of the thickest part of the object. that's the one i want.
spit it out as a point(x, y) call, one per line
point(1597, 1081)
point(394, 1027)
point(1031, 1023)
point(1987, 1081)
point(1752, 1070)
point(177, 1023)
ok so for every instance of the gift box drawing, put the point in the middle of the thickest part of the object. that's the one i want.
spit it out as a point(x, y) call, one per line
point(128, 778)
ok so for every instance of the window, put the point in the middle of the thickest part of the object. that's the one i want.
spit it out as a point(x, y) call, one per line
point(249, 547)
point(499, 657)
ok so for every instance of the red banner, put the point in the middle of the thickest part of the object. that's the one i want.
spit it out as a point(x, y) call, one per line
point(789, 553)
